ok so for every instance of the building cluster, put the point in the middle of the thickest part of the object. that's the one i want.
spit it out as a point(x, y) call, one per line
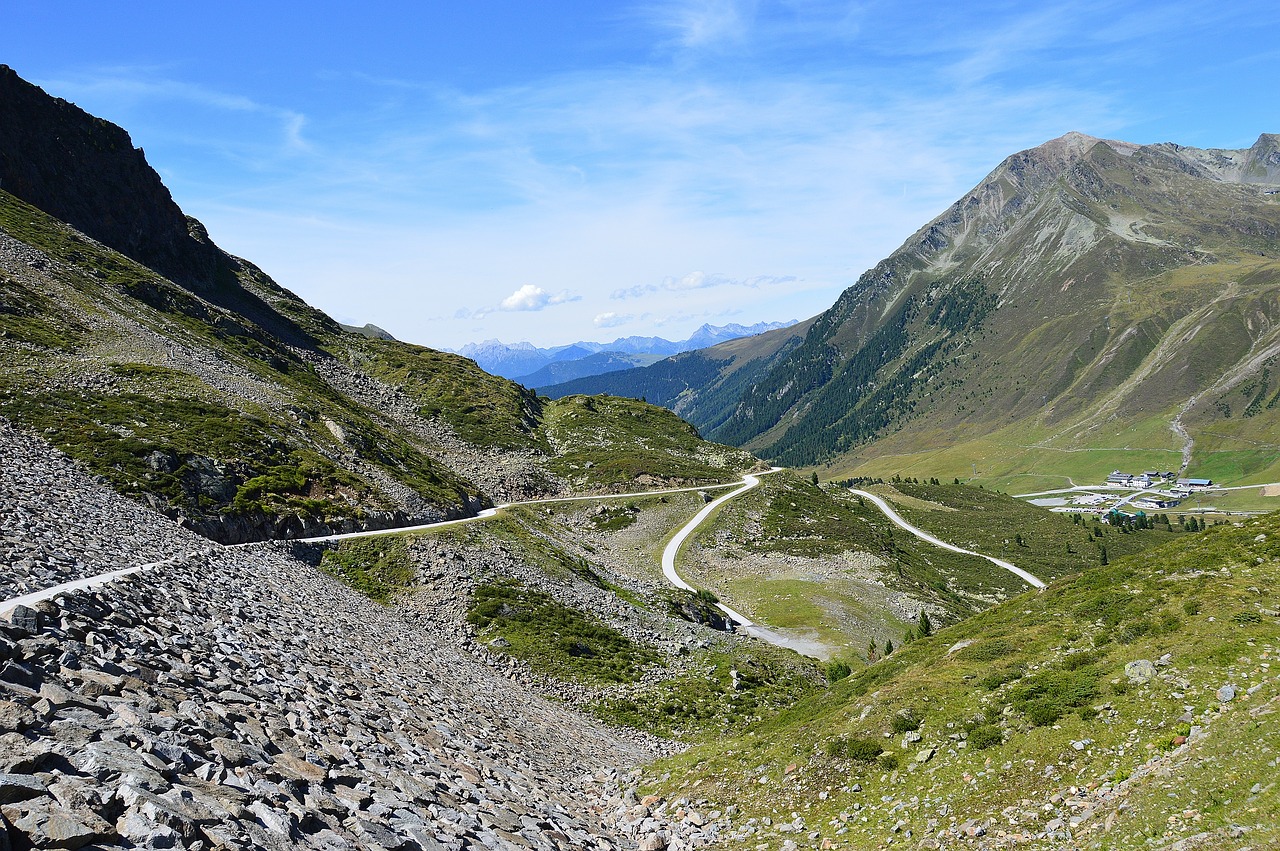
point(1139, 481)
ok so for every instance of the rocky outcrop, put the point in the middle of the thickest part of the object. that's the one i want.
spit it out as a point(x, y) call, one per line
point(85, 171)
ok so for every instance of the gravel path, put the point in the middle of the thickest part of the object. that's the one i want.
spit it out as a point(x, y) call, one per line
point(884, 506)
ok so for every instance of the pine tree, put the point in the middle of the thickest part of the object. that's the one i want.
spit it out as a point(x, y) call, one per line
point(925, 626)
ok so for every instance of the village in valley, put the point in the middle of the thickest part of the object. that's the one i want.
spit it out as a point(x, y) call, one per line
point(1126, 494)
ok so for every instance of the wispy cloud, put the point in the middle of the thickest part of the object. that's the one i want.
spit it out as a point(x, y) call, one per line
point(699, 281)
point(700, 23)
point(776, 142)
point(136, 85)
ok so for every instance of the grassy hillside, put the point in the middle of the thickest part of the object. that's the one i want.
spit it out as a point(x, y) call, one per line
point(1089, 299)
point(1125, 707)
point(1047, 544)
point(817, 563)
point(272, 425)
point(604, 441)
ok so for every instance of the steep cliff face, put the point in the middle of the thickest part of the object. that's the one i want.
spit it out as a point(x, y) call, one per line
point(85, 171)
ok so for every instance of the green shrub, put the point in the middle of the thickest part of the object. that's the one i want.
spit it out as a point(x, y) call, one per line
point(837, 670)
point(1000, 676)
point(556, 638)
point(379, 568)
point(889, 761)
point(1075, 661)
point(855, 748)
point(905, 721)
point(1046, 696)
point(985, 736)
point(987, 651)
point(1042, 713)
point(1133, 630)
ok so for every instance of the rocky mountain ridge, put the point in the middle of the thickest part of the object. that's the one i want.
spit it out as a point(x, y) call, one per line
point(1084, 288)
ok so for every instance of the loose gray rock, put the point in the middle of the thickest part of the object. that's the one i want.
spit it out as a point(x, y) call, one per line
point(1140, 671)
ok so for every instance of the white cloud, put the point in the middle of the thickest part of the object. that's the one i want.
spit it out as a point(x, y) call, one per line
point(609, 319)
point(530, 297)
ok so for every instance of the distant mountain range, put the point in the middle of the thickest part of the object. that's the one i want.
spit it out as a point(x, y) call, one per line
point(1088, 296)
point(536, 367)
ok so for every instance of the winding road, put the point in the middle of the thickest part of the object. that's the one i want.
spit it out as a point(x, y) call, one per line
point(669, 553)
point(884, 506)
point(101, 579)
point(744, 623)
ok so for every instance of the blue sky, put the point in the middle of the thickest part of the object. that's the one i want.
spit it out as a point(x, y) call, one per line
point(570, 170)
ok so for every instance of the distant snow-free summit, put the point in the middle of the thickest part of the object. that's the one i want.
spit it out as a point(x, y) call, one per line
point(539, 367)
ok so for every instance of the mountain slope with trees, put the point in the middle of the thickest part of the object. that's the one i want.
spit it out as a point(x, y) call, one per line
point(1085, 288)
point(1087, 295)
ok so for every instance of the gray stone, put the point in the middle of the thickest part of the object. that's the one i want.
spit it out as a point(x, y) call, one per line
point(278, 823)
point(1227, 693)
point(47, 824)
point(26, 619)
point(143, 832)
point(1140, 671)
point(20, 787)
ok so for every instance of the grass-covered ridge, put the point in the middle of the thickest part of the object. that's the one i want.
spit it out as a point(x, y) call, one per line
point(608, 441)
point(1046, 543)
point(483, 409)
point(818, 560)
point(1032, 699)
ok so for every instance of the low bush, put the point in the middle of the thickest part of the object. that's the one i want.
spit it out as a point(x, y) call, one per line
point(985, 736)
point(905, 721)
point(556, 638)
point(855, 748)
point(838, 670)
